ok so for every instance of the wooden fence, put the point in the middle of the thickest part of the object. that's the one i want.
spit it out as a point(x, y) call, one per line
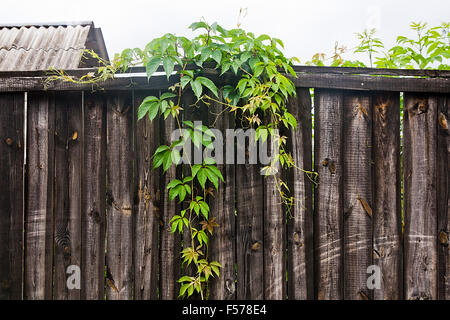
point(77, 189)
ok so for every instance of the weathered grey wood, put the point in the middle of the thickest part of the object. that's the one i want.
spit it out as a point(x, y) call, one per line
point(222, 207)
point(119, 248)
point(443, 191)
point(305, 80)
point(39, 197)
point(147, 205)
point(387, 220)
point(300, 216)
point(68, 145)
point(93, 197)
point(328, 208)
point(249, 228)
point(170, 243)
point(358, 202)
point(11, 195)
point(274, 244)
point(420, 210)
point(299, 69)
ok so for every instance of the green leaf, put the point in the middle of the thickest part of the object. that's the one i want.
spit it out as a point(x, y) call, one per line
point(216, 172)
point(209, 84)
point(201, 176)
point(195, 169)
point(152, 65)
point(196, 87)
point(168, 64)
point(167, 95)
point(143, 109)
point(167, 161)
point(173, 183)
point(212, 177)
point(153, 110)
point(217, 56)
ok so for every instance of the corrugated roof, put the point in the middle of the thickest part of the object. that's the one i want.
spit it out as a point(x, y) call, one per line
point(39, 47)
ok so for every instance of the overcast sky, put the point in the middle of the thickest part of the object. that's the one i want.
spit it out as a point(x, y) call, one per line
point(305, 26)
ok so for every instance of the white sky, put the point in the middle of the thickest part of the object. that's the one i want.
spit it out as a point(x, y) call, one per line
point(305, 26)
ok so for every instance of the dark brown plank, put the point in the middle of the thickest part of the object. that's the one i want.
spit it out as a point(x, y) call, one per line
point(443, 191)
point(170, 243)
point(250, 225)
point(93, 198)
point(358, 202)
point(119, 218)
point(387, 220)
point(222, 246)
point(328, 210)
point(299, 69)
point(11, 196)
point(305, 80)
point(274, 245)
point(39, 197)
point(147, 206)
point(420, 211)
point(300, 216)
point(68, 145)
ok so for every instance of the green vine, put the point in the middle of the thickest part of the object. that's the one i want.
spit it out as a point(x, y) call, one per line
point(258, 97)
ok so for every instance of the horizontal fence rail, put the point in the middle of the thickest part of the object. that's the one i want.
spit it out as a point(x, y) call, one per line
point(79, 195)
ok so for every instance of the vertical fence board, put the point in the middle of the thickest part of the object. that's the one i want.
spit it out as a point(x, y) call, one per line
point(222, 246)
point(11, 196)
point(387, 221)
point(93, 198)
point(357, 130)
point(67, 191)
point(119, 242)
point(274, 229)
point(328, 210)
point(39, 197)
point(147, 204)
point(300, 216)
point(420, 121)
point(250, 226)
point(170, 243)
point(443, 187)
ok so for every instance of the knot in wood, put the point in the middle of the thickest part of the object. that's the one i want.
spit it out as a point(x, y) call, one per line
point(8, 141)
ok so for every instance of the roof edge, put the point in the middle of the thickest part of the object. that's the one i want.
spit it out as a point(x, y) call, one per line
point(47, 24)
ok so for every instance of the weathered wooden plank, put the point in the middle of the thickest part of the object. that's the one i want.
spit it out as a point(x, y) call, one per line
point(93, 198)
point(147, 204)
point(68, 145)
point(304, 80)
point(387, 220)
point(328, 208)
point(299, 69)
point(250, 227)
point(300, 216)
point(358, 202)
point(443, 192)
point(170, 243)
point(11, 196)
point(222, 245)
point(39, 197)
point(119, 218)
point(420, 210)
point(274, 244)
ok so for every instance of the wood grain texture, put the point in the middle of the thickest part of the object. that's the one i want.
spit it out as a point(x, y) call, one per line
point(119, 249)
point(443, 192)
point(39, 197)
point(147, 205)
point(93, 197)
point(222, 207)
point(420, 210)
point(328, 208)
point(300, 216)
point(358, 202)
point(11, 195)
point(274, 245)
point(387, 220)
point(170, 243)
point(68, 145)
